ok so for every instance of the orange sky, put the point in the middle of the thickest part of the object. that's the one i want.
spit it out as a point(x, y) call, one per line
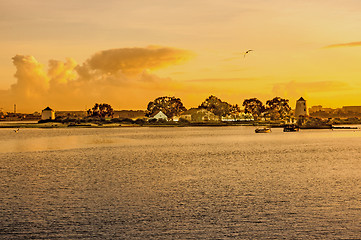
point(69, 55)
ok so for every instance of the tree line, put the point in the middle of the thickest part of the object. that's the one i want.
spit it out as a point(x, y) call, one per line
point(274, 109)
point(101, 110)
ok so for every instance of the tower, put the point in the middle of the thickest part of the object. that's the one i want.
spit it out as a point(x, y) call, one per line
point(48, 114)
point(301, 108)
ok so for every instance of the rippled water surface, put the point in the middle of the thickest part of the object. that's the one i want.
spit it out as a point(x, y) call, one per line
point(180, 183)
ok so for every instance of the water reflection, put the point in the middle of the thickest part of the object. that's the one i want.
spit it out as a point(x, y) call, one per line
point(179, 183)
point(57, 139)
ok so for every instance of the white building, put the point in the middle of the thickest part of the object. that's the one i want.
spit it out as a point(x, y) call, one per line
point(301, 109)
point(48, 114)
point(159, 115)
point(239, 117)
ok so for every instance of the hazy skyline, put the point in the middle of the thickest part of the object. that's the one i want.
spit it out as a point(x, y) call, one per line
point(69, 55)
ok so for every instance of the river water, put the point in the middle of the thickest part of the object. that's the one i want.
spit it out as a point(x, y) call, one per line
point(180, 183)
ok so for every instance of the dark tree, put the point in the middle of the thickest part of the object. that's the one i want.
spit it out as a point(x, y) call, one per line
point(170, 106)
point(254, 106)
point(235, 109)
point(278, 108)
point(217, 106)
point(101, 110)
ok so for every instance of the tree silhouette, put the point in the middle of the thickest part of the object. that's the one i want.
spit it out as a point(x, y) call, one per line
point(253, 106)
point(170, 106)
point(278, 108)
point(101, 110)
point(217, 106)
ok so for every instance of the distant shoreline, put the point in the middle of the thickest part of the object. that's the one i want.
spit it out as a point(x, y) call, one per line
point(174, 124)
point(110, 125)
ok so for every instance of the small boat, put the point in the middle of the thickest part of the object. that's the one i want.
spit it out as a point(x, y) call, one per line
point(291, 128)
point(262, 130)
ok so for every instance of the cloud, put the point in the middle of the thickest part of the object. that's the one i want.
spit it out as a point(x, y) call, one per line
point(32, 80)
point(351, 44)
point(118, 76)
point(295, 89)
point(132, 61)
point(61, 72)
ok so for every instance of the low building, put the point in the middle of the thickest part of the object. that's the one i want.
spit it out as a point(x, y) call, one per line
point(351, 109)
point(71, 114)
point(314, 109)
point(199, 115)
point(132, 114)
point(239, 117)
point(187, 116)
point(159, 115)
point(48, 114)
point(175, 119)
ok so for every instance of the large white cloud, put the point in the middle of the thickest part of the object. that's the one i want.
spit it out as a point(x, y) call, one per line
point(117, 76)
point(135, 60)
point(32, 81)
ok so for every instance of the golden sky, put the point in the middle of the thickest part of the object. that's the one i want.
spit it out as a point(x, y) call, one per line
point(71, 54)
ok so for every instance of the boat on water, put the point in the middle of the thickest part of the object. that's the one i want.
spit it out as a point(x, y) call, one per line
point(291, 128)
point(263, 130)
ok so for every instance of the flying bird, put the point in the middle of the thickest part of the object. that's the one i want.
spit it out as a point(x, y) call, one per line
point(247, 52)
point(17, 130)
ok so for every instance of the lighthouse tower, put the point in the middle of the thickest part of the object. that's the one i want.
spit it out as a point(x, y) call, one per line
point(301, 109)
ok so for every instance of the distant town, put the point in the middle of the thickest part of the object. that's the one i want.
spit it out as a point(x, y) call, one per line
point(170, 111)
